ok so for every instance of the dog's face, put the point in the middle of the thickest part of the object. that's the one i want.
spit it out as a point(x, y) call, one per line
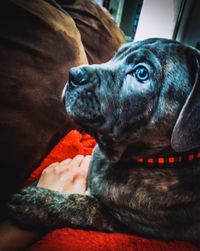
point(132, 103)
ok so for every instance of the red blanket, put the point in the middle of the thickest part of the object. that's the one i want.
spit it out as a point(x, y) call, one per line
point(72, 240)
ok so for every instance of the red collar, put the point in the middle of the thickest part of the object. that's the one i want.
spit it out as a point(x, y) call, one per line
point(170, 159)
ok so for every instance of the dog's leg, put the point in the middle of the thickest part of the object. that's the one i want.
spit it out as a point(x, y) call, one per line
point(38, 208)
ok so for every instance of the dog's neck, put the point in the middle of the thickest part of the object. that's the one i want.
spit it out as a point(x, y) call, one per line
point(146, 155)
point(170, 159)
point(161, 158)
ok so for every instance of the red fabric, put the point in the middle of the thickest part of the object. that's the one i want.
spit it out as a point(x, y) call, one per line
point(73, 240)
point(72, 144)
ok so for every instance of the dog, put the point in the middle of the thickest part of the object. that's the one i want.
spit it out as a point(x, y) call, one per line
point(143, 108)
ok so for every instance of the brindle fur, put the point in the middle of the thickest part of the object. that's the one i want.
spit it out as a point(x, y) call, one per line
point(128, 120)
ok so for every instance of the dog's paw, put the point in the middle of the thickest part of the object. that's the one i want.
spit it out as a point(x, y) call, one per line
point(32, 208)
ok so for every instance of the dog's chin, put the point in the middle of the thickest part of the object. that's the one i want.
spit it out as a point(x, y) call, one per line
point(84, 110)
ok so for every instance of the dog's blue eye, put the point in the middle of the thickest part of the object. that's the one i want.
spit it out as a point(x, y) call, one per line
point(142, 74)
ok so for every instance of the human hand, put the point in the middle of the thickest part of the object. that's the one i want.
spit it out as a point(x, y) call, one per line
point(68, 176)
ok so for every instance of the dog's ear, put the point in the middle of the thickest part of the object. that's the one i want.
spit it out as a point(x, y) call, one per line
point(186, 132)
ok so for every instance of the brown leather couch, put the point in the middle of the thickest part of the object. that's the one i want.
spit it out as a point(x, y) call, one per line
point(39, 41)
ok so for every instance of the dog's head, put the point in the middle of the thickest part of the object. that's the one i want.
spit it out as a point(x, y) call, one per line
point(146, 99)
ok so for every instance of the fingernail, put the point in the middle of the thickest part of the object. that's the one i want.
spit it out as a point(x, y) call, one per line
point(79, 156)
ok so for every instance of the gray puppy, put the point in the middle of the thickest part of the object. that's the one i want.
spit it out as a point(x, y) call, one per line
point(142, 107)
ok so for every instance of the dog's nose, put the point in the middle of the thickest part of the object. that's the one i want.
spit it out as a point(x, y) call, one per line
point(76, 76)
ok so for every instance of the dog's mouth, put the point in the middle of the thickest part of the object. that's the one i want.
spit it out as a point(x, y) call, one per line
point(83, 106)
